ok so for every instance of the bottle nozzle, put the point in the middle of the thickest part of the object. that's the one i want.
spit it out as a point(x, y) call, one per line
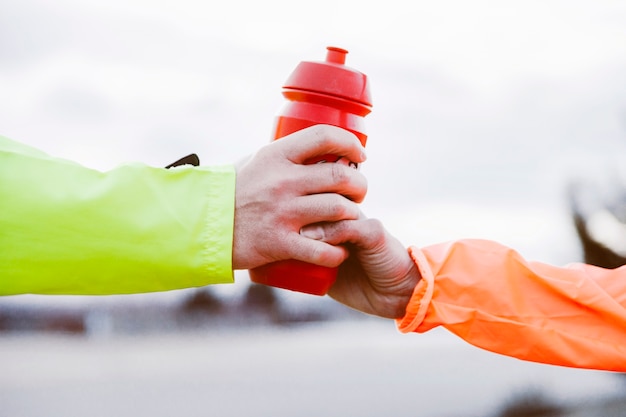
point(336, 55)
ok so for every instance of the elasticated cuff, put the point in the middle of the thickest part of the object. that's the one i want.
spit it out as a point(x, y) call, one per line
point(422, 294)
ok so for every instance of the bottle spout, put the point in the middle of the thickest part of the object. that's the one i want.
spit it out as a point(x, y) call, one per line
point(336, 55)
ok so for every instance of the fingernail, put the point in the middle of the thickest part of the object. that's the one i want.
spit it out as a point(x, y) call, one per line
point(312, 232)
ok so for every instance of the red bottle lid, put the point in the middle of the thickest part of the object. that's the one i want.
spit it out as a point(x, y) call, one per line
point(332, 77)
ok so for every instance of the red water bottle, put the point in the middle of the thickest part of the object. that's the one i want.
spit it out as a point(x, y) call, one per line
point(317, 93)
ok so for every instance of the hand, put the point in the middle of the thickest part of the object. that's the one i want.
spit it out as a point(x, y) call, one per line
point(379, 276)
point(276, 195)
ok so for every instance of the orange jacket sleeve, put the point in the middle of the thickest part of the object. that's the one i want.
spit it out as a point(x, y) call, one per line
point(491, 297)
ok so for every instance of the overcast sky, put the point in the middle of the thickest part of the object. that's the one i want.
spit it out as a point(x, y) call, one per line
point(483, 110)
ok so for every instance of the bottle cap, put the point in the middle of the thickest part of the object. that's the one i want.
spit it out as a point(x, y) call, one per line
point(331, 77)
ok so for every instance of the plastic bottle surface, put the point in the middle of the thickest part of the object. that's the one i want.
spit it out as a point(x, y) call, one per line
point(317, 92)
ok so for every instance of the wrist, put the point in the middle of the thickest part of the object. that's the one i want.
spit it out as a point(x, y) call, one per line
point(405, 293)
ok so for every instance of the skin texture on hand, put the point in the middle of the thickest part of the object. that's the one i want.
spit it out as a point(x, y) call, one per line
point(276, 195)
point(379, 276)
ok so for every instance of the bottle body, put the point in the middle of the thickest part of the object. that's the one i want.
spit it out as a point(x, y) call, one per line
point(292, 274)
point(306, 107)
point(297, 115)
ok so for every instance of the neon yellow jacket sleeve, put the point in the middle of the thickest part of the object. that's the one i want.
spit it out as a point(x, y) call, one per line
point(491, 297)
point(67, 229)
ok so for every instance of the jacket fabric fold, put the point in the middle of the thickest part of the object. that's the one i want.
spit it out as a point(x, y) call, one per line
point(488, 295)
point(68, 229)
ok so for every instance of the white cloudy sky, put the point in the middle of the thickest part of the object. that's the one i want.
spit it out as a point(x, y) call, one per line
point(483, 110)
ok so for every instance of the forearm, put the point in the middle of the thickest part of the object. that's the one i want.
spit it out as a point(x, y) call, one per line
point(67, 229)
point(490, 296)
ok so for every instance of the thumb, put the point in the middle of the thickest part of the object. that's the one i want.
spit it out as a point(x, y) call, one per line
point(321, 140)
point(363, 233)
point(317, 252)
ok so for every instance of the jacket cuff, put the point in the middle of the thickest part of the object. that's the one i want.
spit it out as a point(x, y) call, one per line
point(219, 226)
point(422, 294)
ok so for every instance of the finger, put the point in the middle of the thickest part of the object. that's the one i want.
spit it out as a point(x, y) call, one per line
point(334, 178)
point(316, 252)
point(321, 140)
point(365, 233)
point(323, 208)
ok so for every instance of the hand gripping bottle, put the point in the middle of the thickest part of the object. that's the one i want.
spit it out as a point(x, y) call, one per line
point(317, 93)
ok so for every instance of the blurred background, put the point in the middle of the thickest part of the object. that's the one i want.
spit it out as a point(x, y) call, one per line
point(502, 120)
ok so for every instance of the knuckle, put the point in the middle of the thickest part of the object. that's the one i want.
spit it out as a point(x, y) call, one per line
point(361, 188)
point(323, 135)
point(337, 207)
point(340, 174)
point(375, 224)
point(317, 254)
point(265, 151)
point(376, 229)
point(323, 130)
point(363, 181)
point(276, 189)
point(341, 208)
